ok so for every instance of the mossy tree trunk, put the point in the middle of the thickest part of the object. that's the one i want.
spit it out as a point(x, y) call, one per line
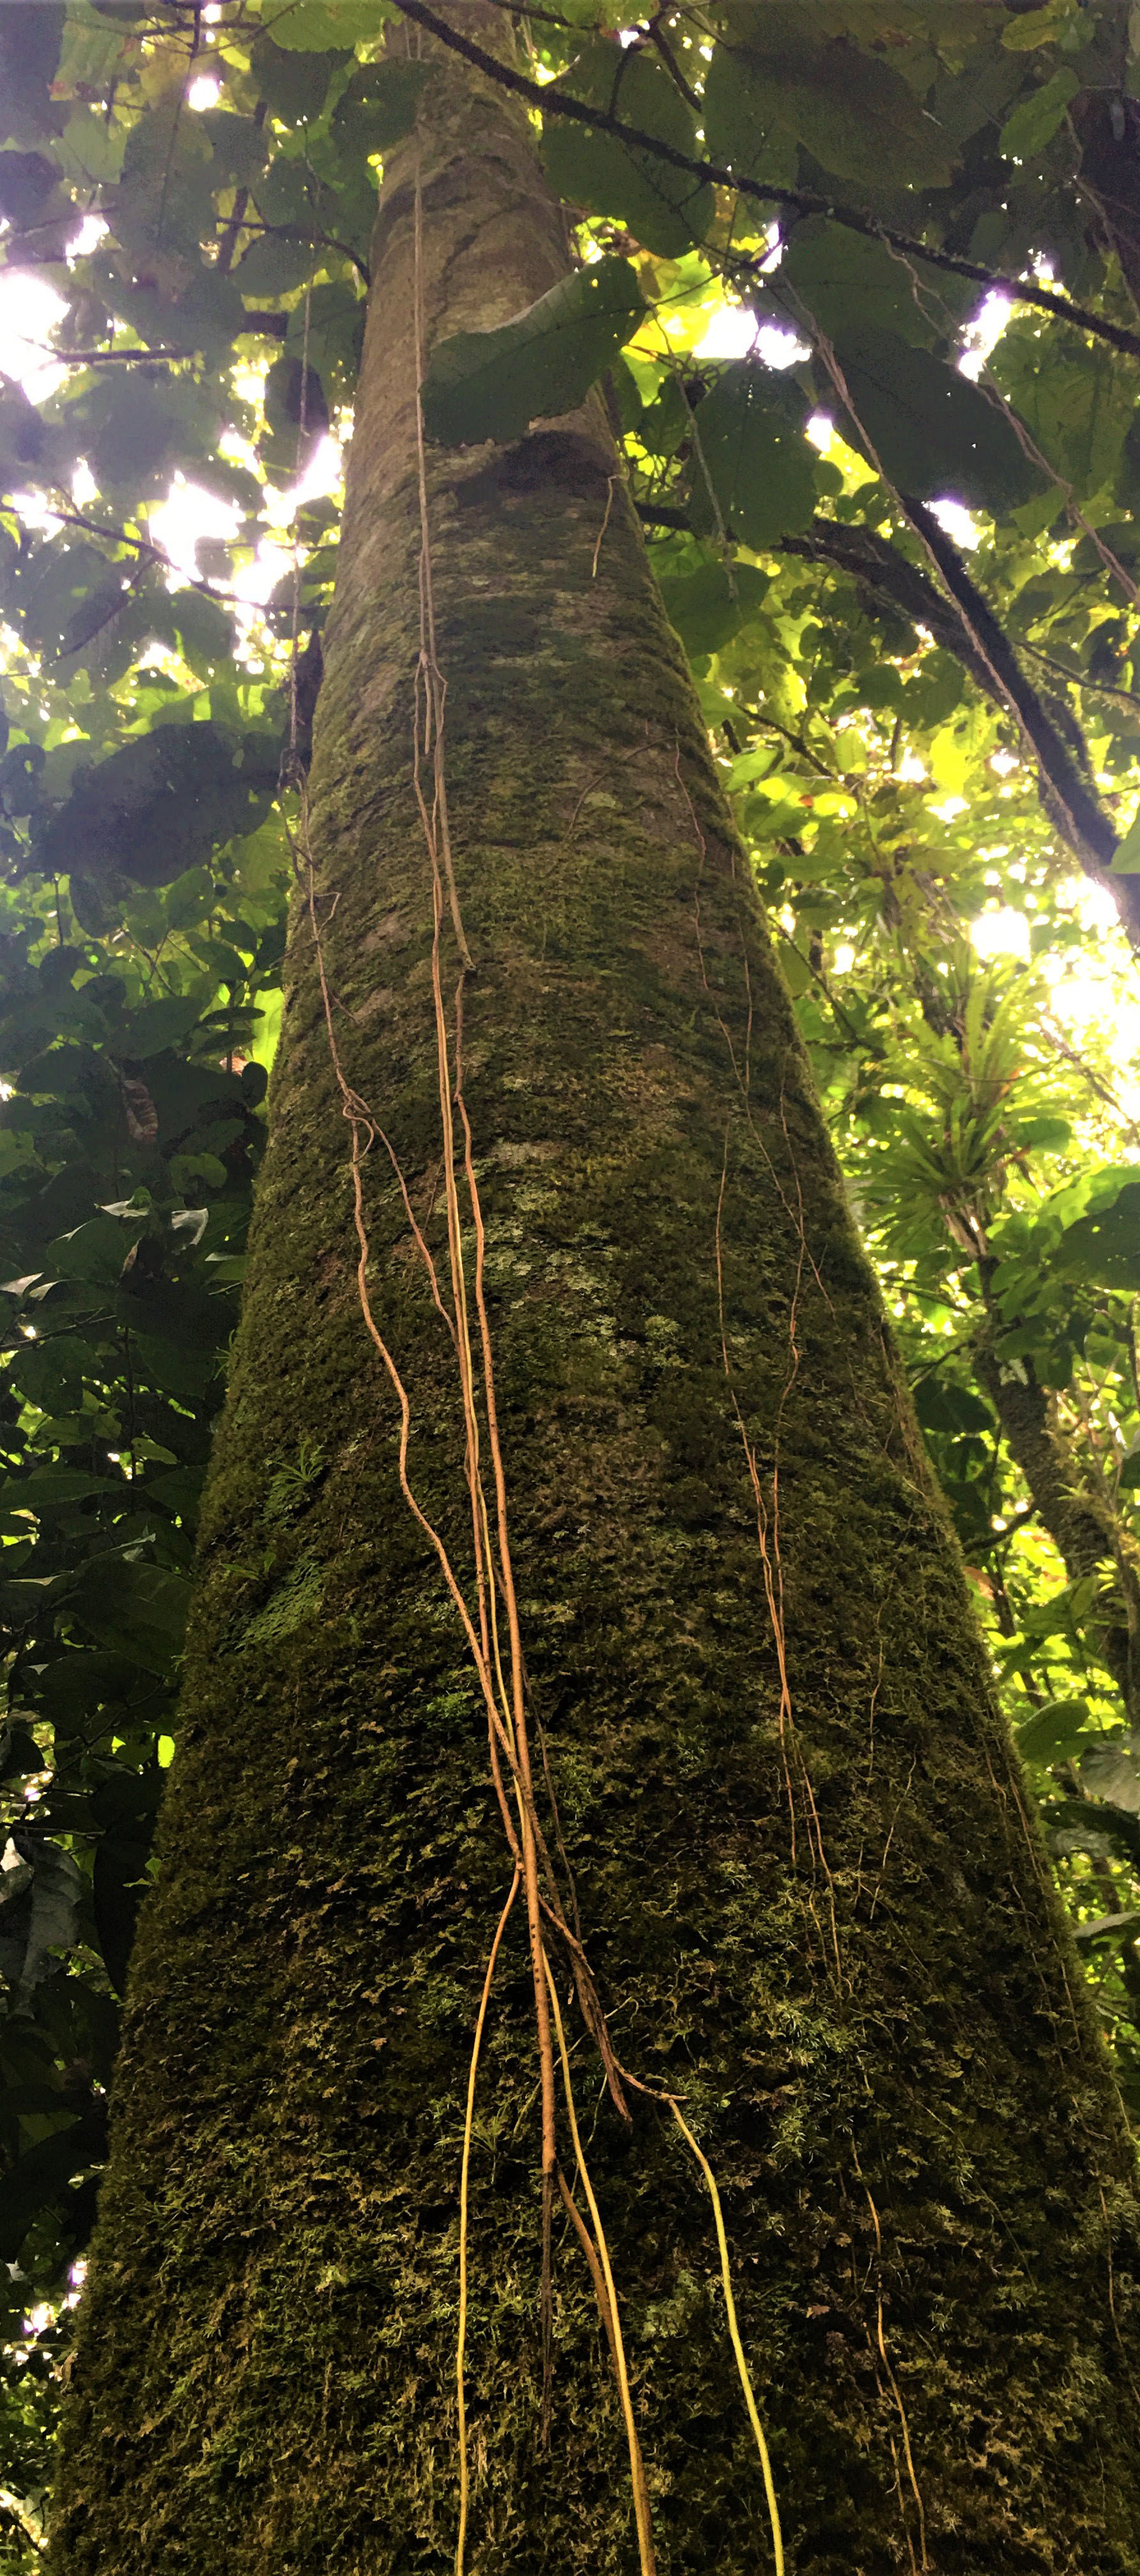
point(817, 1914)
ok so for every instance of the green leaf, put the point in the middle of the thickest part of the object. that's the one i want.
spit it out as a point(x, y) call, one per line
point(1034, 121)
point(667, 209)
point(39, 2177)
point(851, 110)
point(240, 147)
point(741, 119)
point(20, 1754)
point(762, 469)
point(1053, 1731)
point(27, 448)
point(161, 1024)
point(941, 1405)
point(936, 434)
point(205, 631)
point(855, 286)
point(378, 106)
point(39, 1909)
point(665, 421)
point(31, 32)
point(1126, 860)
point(158, 806)
point(1104, 1248)
point(166, 192)
point(305, 26)
point(27, 186)
point(294, 82)
point(274, 263)
point(95, 1252)
point(139, 1611)
point(1109, 1927)
point(1079, 409)
point(492, 384)
point(51, 1488)
point(710, 606)
point(1109, 1771)
point(1036, 27)
point(134, 427)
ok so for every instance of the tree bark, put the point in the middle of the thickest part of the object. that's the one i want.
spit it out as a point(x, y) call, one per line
point(815, 1913)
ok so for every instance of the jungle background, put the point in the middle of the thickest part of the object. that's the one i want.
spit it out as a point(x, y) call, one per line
point(862, 293)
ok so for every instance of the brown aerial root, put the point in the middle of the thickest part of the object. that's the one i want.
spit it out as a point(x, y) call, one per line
point(605, 2274)
point(464, 2176)
point(896, 2393)
point(771, 1564)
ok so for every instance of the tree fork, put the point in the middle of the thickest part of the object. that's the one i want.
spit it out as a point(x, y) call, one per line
point(808, 1893)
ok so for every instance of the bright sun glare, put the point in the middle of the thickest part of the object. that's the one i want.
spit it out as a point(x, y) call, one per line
point(30, 310)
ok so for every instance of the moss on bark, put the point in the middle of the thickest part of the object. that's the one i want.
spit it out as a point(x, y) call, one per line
point(831, 1930)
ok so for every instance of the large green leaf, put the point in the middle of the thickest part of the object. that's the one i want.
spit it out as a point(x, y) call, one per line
point(854, 285)
point(27, 448)
point(753, 451)
point(1054, 1731)
point(158, 805)
point(851, 110)
point(134, 428)
point(742, 122)
point(293, 81)
point(1075, 400)
point(239, 144)
point(166, 193)
point(137, 1610)
point(668, 210)
point(30, 35)
point(39, 1901)
point(1104, 1248)
point(708, 607)
point(44, 2171)
point(307, 25)
point(491, 384)
point(1035, 119)
point(935, 434)
point(378, 105)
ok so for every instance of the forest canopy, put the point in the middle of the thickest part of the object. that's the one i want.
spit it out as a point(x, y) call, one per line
point(859, 285)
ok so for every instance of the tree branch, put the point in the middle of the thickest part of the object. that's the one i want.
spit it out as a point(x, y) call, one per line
point(965, 625)
point(874, 561)
point(549, 100)
point(1071, 805)
point(138, 546)
point(109, 357)
point(326, 241)
point(1081, 679)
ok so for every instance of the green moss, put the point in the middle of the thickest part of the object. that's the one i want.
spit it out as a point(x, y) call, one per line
point(291, 1604)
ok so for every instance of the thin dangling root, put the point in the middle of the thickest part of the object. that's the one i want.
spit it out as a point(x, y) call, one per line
point(464, 2173)
point(737, 2346)
point(636, 2468)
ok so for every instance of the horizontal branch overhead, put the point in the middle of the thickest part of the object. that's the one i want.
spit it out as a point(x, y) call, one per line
point(551, 101)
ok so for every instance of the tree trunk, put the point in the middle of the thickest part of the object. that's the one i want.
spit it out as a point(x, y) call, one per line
point(810, 1899)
